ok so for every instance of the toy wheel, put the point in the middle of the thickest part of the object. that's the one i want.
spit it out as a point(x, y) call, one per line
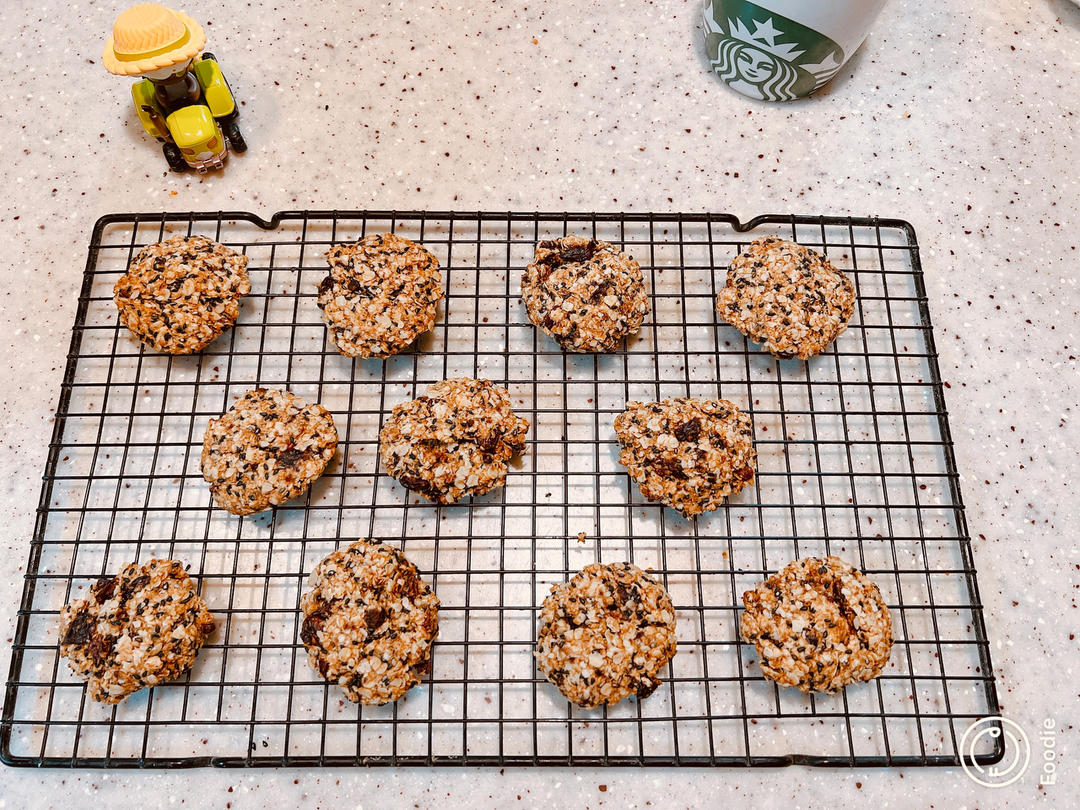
point(236, 138)
point(210, 56)
point(174, 156)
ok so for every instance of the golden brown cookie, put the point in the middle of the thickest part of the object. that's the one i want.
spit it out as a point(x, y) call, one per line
point(788, 298)
point(606, 634)
point(369, 622)
point(266, 450)
point(690, 454)
point(180, 294)
point(818, 625)
point(140, 628)
point(587, 294)
point(381, 294)
point(453, 441)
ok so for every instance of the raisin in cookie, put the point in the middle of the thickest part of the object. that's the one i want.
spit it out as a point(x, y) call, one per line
point(180, 294)
point(690, 454)
point(453, 441)
point(606, 634)
point(265, 450)
point(140, 628)
point(381, 294)
point(588, 295)
point(818, 625)
point(369, 622)
point(788, 298)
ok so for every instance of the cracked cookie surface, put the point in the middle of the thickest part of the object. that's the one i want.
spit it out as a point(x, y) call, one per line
point(179, 295)
point(690, 454)
point(818, 625)
point(453, 441)
point(587, 294)
point(265, 450)
point(788, 298)
point(381, 294)
point(142, 627)
point(606, 634)
point(369, 622)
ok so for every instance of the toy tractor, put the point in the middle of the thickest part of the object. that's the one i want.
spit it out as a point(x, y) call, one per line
point(182, 99)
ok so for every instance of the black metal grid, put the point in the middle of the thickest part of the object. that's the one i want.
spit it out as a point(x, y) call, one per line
point(855, 459)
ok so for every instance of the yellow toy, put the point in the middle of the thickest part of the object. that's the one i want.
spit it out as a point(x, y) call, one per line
point(183, 99)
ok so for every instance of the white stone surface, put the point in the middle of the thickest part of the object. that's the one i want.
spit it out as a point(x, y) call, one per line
point(960, 117)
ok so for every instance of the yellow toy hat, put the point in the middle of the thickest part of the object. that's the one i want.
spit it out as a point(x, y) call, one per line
point(149, 37)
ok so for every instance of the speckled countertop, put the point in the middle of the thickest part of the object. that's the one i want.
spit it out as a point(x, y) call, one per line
point(959, 117)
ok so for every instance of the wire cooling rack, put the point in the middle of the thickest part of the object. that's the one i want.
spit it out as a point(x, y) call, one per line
point(854, 453)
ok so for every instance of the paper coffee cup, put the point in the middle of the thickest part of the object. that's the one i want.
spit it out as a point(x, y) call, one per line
point(779, 50)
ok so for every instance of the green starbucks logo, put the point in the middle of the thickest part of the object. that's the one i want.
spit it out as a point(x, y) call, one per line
point(765, 55)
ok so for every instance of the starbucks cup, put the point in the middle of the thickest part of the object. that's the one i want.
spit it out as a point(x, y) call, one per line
point(779, 50)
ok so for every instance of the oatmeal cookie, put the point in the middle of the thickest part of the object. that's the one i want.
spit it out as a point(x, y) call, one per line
point(381, 294)
point(606, 634)
point(265, 450)
point(788, 298)
point(369, 622)
point(140, 628)
point(690, 454)
point(454, 441)
point(588, 295)
point(180, 294)
point(818, 625)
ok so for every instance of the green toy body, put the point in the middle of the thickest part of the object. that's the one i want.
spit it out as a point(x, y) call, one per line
point(196, 132)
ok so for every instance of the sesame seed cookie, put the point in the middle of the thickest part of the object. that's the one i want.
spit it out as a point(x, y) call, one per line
point(369, 622)
point(606, 634)
point(265, 450)
point(454, 441)
point(788, 298)
point(381, 294)
point(180, 294)
point(818, 625)
point(588, 295)
point(140, 628)
point(689, 454)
